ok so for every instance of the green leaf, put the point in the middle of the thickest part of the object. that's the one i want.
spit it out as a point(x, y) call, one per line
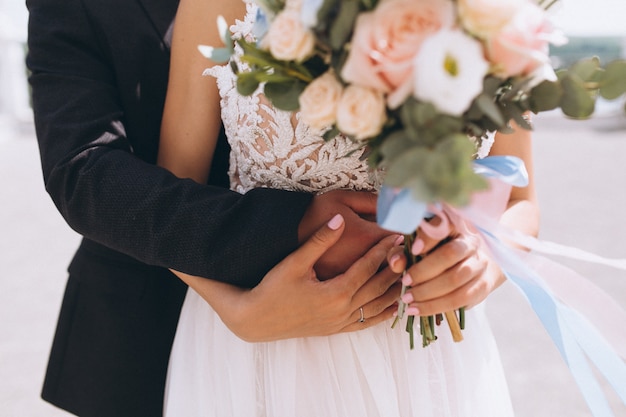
point(613, 84)
point(284, 95)
point(546, 96)
point(490, 109)
point(515, 113)
point(442, 173)
point(341, 28)
point(394, 145)
point(576, 101)
point(247, 83)
point(331, 134)
point(217, 55)
point(586, 69)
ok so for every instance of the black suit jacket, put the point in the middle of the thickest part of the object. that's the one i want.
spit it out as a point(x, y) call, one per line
point(98, 74)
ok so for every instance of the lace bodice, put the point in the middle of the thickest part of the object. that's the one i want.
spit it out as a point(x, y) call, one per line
point(274, 149)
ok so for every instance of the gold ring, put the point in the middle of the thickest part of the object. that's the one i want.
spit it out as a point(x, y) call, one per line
point(362, 319)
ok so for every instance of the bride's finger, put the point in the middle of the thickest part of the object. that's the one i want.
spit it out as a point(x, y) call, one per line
point(384, 287)
point(369, 320)
point(320, 242)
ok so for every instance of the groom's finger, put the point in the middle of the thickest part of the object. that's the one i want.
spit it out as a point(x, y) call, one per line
point(316, 245)
point(367, 266)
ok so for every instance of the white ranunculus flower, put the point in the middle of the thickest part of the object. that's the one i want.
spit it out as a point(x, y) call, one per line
point(319, 100)
point(361, 112)
point(288, 39)
point(449, 71)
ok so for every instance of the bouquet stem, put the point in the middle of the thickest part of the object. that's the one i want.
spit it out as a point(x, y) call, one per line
point(427, 323)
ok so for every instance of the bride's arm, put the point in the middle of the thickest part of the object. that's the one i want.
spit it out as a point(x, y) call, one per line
point(191, 118)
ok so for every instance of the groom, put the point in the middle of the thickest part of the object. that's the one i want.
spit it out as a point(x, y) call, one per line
point(98, 74)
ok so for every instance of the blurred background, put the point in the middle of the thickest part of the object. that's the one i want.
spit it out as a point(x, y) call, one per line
point(581, 178)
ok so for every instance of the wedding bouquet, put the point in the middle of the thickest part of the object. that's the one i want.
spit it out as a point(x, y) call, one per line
point(411, 81)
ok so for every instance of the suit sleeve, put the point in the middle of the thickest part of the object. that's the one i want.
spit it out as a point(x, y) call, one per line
point(111, 194)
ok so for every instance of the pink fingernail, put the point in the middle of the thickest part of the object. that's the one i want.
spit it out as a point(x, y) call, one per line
point(408, 298)
point(399, 240)
point(418, 247)
point(407, 280)
point(336, 222)
point(395, 258)
point(412, 311)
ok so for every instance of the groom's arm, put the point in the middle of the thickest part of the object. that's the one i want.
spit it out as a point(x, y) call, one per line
point(96, 171)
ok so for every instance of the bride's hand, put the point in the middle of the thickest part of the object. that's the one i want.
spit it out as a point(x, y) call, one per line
point(358, 209)
point(456, 274)
point(291, 302)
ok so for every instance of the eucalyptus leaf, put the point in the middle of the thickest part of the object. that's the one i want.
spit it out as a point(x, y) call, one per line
point(440, 173)
point(331, 133)
point(613, 84)
point(247, 83)
point(576, 101)
point(341, 28)
point(283, 95)
point(586, 69)
point(546, 96)
point(217, 55)
point(490, 109)
point(394, 145)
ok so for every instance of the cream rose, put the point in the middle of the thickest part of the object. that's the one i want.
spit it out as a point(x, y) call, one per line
point(288, 39)
point(484, 18)
point(361, 112)
point(319, 101)
point(522, 46)
point(386, 40)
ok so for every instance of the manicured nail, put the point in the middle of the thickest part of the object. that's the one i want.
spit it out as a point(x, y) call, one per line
point(407, 280)
point(399, 240)
point(407, 298)
point(418, 247)
point(412, 311)
point(395, 258)
point(336, 222)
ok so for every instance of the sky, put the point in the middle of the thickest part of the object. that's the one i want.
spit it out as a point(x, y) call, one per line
point(591, 17)
point(574, 17)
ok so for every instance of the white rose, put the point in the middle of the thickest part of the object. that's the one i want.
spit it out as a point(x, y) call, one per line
point(484, 18)
point(361, 112)
point(288, 39)
point(449, 71)
point(319, 101)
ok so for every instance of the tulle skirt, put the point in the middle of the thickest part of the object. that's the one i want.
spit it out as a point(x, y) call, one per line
point(370, 373)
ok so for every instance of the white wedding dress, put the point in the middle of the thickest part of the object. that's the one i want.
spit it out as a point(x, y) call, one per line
point(372, 372)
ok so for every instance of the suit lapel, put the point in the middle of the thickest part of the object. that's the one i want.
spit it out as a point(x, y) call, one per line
point(161, 13)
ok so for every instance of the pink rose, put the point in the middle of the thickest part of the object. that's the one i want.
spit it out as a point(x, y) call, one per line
point(521, 46)
point(386, 40)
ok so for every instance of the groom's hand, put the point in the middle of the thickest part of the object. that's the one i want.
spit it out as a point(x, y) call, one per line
point(361, 231)
point(291, 302)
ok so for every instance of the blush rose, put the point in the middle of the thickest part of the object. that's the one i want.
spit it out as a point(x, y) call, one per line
point(386, 40)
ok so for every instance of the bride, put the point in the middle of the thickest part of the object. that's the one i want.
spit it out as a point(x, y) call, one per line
point(213, 371)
